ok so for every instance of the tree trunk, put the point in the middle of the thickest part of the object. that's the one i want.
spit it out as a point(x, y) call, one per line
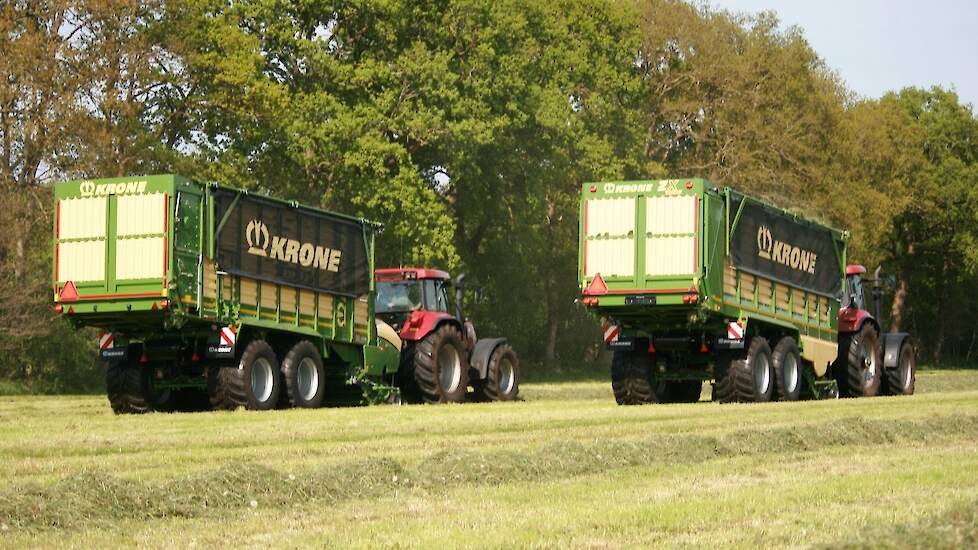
point(900, 295)
point(899, 301)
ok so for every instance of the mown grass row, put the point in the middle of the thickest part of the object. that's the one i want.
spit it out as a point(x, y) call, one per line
point(96, 497)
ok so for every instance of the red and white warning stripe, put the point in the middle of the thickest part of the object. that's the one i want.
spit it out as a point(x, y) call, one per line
point(105, 340)
point(735, 331)
point(611, 333)
point(228, 336)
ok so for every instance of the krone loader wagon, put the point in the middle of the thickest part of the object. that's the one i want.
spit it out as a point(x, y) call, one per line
point(695, 283)
point(208, 296)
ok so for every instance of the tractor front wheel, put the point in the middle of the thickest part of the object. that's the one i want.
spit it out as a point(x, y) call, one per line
point(502, 381)
point(902, 379)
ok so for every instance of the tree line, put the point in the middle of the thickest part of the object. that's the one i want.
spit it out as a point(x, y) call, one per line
point(467, 127)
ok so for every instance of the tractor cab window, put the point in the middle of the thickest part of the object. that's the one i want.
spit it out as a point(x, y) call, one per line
point(435, 295)
point(854, 293)
point(398, 296)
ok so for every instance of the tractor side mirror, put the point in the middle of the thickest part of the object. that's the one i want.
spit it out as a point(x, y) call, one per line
point(478, 295)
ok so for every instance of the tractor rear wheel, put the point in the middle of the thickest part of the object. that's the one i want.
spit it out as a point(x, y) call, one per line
point(858, 371)
point(254, 382)
point(502, 381)
point(787, 369)
point(902, 379)
point(305, 377)
point(745, 378)
point(441, 369)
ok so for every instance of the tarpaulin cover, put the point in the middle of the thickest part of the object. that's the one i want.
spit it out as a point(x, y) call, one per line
point(769, 243)
point(292, 246)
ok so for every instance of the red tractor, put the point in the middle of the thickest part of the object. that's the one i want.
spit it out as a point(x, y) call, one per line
point(440, 354)
point(867, 366)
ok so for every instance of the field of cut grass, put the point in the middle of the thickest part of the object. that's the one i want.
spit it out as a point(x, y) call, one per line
point(565, 468)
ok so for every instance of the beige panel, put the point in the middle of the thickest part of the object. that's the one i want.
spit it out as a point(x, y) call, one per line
point(139, 258)
point(782, 293)
point(610, 217)
point(611, 257)
point(140, 214)
point(360, 310)
point(81, 261)
point(249, 292)
point(729, 279)
point(763, 291)
point(670, 215)
point(269, 300)
point(210, 279)
point(81, 218)
point(798, 306)
point(747, 282)
point(670, 256)
point(820, 352)
point(325, 306)
point(307, 302)
point(813, 307)
point(287, 299)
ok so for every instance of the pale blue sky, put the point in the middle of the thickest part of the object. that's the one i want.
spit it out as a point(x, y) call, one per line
point(878, 46)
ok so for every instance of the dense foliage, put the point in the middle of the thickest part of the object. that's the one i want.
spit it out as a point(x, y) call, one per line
point(466, 127)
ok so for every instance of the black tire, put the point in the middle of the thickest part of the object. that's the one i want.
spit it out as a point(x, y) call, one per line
point(902, 380)
point(858, 371)
point(243, 384)
point(746, 378)
point(124, 388)
point(304, 375)
point(631, 378)
point(787, 369)
point(441, 369)
point(502, 381)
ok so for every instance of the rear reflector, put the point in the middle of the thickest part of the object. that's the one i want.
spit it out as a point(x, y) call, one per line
point(69, 293)
point(597, 286)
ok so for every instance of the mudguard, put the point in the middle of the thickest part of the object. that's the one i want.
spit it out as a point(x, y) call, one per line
point(482, 352)
point(892, 342)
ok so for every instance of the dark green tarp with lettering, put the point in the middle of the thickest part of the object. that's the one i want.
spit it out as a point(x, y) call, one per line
point(770, 243)
point(289, 245)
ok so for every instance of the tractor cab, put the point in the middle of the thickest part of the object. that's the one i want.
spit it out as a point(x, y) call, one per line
point(852, 294)
point(408, 293)
point(853, 312)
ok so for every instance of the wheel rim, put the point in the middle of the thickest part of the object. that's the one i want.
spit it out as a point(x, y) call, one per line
point(449, 368)
point(905, 368)
point(790, 367)
point(261, 379)
point(762, 374)
point(507, 375)
point(307, 378)
point(868, 361)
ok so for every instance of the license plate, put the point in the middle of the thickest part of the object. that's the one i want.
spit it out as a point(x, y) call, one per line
point(622, 344)
point(114, 354)
point(639, 300)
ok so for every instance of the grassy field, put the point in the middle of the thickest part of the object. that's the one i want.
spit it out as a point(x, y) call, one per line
point(564, 468)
